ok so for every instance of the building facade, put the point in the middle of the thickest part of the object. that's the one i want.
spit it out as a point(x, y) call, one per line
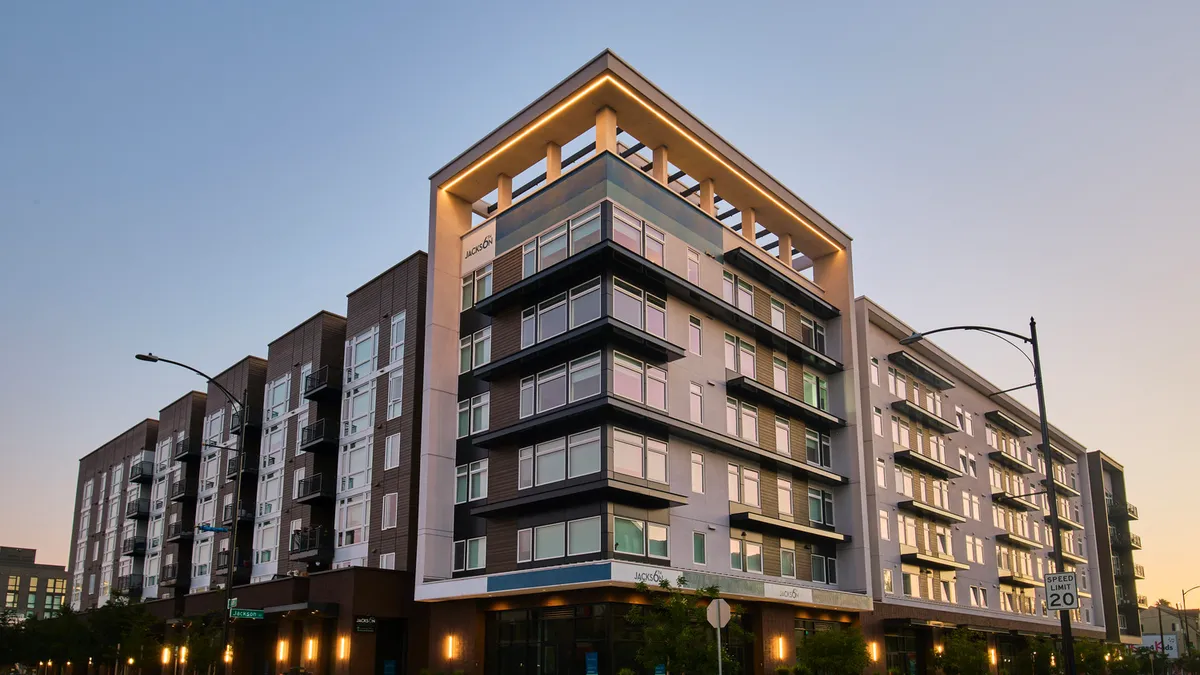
point(33, 590)
point(1113, 512)
point(654, 377)
point(960, 522)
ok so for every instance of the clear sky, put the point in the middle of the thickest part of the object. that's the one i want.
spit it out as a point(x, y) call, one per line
point(194, 179)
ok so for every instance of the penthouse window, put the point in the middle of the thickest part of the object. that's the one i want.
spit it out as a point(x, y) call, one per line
point(555, 245)
point(639, 456)
point(278, 395)
point(558, 386)
point(640, 309)
point(638, 381)
point(555, 460)
point(560, 313)
point(639, 236)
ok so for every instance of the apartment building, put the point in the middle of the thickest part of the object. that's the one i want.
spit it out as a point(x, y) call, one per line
point(1113, 512)
point(959, 517)
point(112, 509)
point(33, 590)
point(174, 497)
point(654, 377)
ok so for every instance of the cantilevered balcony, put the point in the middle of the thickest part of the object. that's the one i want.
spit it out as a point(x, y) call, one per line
point(253, 420)
point(911, 555)
point(930, 511)
point(129, 584)
point(319, 386)
point(744, 518)
point(1143, 602)
point(1014, 578)
point(1139, 572)
point(920, 370)
point(1017, 501)
point(917, 460)
point(173, 575)
point(311, 545)
point(926, 417)
point(141, 472)
point(1015, 463)
point(249, 464)
point(314, 490)
point(133, 546)
point(633, 492)
point(779, 281)
point(186, 450)
point(318, 437)
point(182, 490)
point(1071, 556)
point(245, 515)
point(137, 509)
point(179, 531)
point(1135, 541)
point(1014, 539)
point(749, 388)
point(1065, 521)
point(1122, 511)
point(1008, 423)
point(1061, 456)
point(1063, 488)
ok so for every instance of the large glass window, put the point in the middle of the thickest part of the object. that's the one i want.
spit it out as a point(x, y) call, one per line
point(741, 419)
point(583, 453)
point(585, 303)
point(583, 536)
point(637, 308)
point(816, 391)
point(817, 448)
point(560, 458)
point(474, 414)
point(778, 321)
point(657, 545)
point(549, 541)
point(552, 317)
point(745, 556)
point(551, 461)
point(552, 388)
point(638, 456)
point(552, 247)
point(812, 333)
point(585, 377)
point(629, 536)
point(585, 230)
point(627, 231)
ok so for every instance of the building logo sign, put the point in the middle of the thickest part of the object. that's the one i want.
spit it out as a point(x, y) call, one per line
point(655, 577)
point(364, 624)
point(478, 247)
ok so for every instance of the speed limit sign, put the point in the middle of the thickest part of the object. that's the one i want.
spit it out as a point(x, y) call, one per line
point(1061, 592)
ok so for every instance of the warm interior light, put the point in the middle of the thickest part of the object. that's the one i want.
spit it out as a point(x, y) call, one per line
point(166, 655)
point(451, 648)
point(992, 655)
point(343, 648)
point(874, 652)
point(281, 651)
point(130, 661)
point(311, 648)
point(779, 647)
point(183, 654)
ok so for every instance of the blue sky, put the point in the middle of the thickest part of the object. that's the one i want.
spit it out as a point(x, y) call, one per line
point(196, 179)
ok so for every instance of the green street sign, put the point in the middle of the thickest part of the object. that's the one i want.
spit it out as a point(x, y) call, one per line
point(246, 614)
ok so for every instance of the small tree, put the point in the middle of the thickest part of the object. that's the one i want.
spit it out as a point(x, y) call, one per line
point(676, 630)
point(833, 652)
point(203, 640)
point(1089, 657)
point(963, 653)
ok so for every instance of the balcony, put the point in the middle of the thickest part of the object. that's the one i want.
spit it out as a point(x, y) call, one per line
point(1020, 502)
point(1015, 463)
point(241, 575)
point(173, 575)
point(923, 462)
point(919, 370)
point(244, 515)
point(1143, 602)
point(912, 555)
point(926, 417)
point(314, 490)
point(1071, 556)
point(133, 546)
point(587, 337)
point(1122, 511)
point(312, 545)
point(745, 261)
point(1135, 541)
point(318, 437)
point(318, 386)
point(754, 390)
point(746, 519)
point(1014, 539)
point(141, 472)
point(129, 584)
point(179, 531)
point(930, 511)
point(1062, 488)
point(632, 492)
point(1013, 578)
point(253, 421)
point(1139, 572)
point(1061, 456)
point(249, 465)
point(1065, 521)
point(1008, 423)
point(186, 451)
point(182, 490)
point(138, 509)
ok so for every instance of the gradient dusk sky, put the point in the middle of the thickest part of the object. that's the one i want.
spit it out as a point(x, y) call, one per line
point(194, 179)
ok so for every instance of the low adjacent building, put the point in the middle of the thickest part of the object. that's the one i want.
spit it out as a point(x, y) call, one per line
point(33, 590)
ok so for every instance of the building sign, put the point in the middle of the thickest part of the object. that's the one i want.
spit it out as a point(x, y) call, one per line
point(364, 624)
point(591, 662)
point(1169, 646)
point(478, 247)
point(1061, 594)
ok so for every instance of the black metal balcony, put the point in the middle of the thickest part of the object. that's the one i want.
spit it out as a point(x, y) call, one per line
point(319, 386)
point(249, 465)
point(173, 575)
point(314, 490)
point(312, 545)
point(182, 490)
point(187, 451)
point(1139, 572)
point(1135, 541)
point(318, 437)
point(129, 584)
point(1122, 511)
point(179, 531)
point(244, 515)
point(253, 421)
point(141, 472)
point(133, 546)
point(138, 509)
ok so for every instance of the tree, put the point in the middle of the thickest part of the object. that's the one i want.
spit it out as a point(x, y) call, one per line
point(1089, 657)
point(677, 633)
point(833, 652)
point(1039, 657)
point(963, 653)
point(202, 636)
point(1129, 662)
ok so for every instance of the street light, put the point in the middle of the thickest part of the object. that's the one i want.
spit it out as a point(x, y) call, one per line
point(1186, 633)
point(1051, 492)
point(237, 489)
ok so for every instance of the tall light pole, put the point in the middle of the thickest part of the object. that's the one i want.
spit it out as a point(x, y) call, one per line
point(1187, 638)
point(1051, 492)
point(243, 417)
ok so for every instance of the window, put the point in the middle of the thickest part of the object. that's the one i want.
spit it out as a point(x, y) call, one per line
point(888, 585)
point(735, 483)
point(777, 315)
point(785, 496)
point(694, 335)
point(656, 244)
point(727, 287)
point(885, 522)
point(783, 443)
point(693, 266)
point(361, 359)
point(552, 389)
point(639, 382)
point(476, 286)
point(741, 419)
point(397, 333)
point(354, 464)
point(525, 545)
point(820, 506)
point(585, 377)
point(967, 463)
point(585, 230)
point(746, 359)
point(352, 520)
point(787, 563)
point(358, 408)
point(390, 504)
point(745, 297)
point(812, 333)
point(779, 371)
point(818, 449)
point(639, 456)
point(881, 472)
point(396, 391)
point(699, 553)
point(745, 556)
point(697, 473)
point(473, 414)
point(583, 453)
point(874, 371)
point(470, 554)
point(549, 541)
point(278, 397)
point(585, 303)
point(816, 391)
point(583, 536)
point(528, 390)
point(627, 231)
point(696, 402)
point(475, 350)
point(824, 569)
point(387, 561)
point(550, 461)
point(391, 452)
point(657, 545)
point(552, 317)
point(877, 421)
point(979, 596)
point(947, 591)
point(639, 309)
point(629, 536)
point(470, 481)
point(525, 468)
point(743, 485)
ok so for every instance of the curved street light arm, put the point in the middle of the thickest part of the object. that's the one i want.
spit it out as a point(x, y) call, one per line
point(211, 381)
point(989, 329)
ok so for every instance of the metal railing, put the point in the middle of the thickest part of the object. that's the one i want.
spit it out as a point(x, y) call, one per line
point(313, 486)
point(316, 380)
point(309, 539)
